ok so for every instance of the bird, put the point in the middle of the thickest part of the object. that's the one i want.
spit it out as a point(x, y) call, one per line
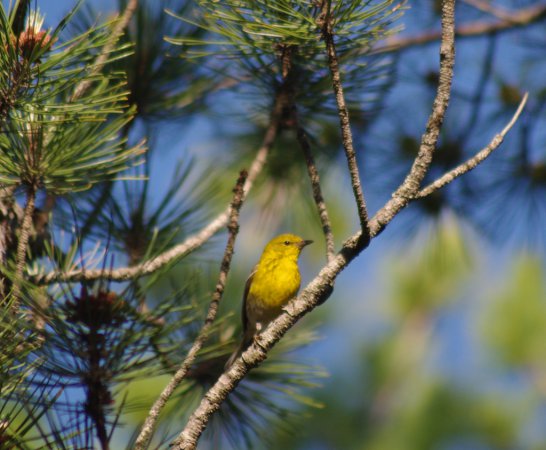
point(273, 282)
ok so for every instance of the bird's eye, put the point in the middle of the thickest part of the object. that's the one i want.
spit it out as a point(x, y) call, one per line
point(286, 242)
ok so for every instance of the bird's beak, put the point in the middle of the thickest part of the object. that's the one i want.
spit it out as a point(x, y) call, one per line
point(304, 243)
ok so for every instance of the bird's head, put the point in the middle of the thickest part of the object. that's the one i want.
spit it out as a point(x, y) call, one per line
point(285, 246)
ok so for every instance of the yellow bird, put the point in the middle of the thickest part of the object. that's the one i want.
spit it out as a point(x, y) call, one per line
point(274, 281)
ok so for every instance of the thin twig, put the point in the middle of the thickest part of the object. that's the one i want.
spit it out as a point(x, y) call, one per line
point(320, 288)
point(233, 228)
point(289, 86)
point(117, 31)
point(325, 21)
point(488, 8)
point(476, 159)
point(517, 19)
point(317, 191)
point(191, 243)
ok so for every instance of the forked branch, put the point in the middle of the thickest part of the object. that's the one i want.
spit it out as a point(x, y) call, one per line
point(320, 288)
point(411, 185)
point(473, 162)
point(326, 21)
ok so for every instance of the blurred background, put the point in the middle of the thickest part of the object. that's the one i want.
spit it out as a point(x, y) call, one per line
point(435, 337)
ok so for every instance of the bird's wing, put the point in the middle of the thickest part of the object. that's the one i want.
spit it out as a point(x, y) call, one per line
point(245, 295)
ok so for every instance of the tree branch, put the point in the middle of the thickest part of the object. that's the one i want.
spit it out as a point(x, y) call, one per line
point(233, 228)
point(325, 21)
point(190, 244)
point(290, 87)
point(317, 191)
point(320, 288)
point(476, 159)
point(315, 293)
point(22, 244)
point(411, 185)
point(517, 19)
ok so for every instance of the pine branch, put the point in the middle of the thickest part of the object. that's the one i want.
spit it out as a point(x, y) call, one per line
point(320, 288)
point(326, 21)
point(411, 185)
point(103, 57)
point(517, 19)
point(22, 244)
point(476, 159)
point(233, 228)
point(190, 244)
point(286, 64)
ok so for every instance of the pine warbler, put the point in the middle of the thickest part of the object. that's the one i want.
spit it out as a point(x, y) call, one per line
point(273, 282)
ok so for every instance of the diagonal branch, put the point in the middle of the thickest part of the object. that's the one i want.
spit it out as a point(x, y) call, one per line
point(476, 159)
point(325, 21)
point(191, 243)
point(233, 228)
point(411, 185)
point(315, 293)
point(320, 288)
point(315, 185)
point(517, 19)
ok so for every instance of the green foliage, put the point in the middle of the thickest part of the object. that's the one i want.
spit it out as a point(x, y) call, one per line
point(80, 363)
point(25, 396)
point(55, 134)
point(249, 41)
point(160, 86)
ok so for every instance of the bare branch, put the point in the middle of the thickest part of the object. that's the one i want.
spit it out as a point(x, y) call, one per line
point(320, 288)
point(325, 21)
point(314, 294)
point(476, 159)
point(190, 244)
point(289, 87)
point(233, 228)
point(411, 185)
point(517, 19)
point(22, 244)
point(317, 191)
point(117, 31)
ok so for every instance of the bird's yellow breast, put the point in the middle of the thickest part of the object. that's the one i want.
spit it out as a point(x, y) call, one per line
point(275, 282)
